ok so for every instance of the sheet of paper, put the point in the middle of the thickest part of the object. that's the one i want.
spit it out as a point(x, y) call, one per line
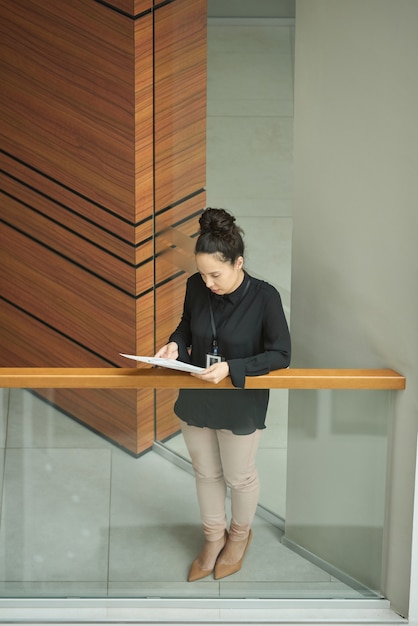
point(169, 363)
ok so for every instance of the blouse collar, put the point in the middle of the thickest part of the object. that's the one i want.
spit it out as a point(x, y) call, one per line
point(235, 295)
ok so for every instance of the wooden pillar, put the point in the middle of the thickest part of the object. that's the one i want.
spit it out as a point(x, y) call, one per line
point(102, 110)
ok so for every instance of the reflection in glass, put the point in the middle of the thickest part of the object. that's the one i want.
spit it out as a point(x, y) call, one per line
point(81, 517)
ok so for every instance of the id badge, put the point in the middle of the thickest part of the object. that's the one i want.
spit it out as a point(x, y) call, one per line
point(212, 358)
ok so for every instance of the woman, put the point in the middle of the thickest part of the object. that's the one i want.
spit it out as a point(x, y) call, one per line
point(232, 325)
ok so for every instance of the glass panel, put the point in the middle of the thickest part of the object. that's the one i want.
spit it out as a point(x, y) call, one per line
point(336, 483)
point(271, 457)
point(81, 517)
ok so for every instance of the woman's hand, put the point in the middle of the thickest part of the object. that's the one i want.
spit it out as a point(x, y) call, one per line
point(215, 373)
point(169, 351)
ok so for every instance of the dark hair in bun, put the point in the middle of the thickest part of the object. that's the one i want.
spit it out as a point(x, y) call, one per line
point(220, 235)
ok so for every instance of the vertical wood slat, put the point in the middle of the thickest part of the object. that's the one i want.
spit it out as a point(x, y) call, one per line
point(180, 100)
point(144, 118)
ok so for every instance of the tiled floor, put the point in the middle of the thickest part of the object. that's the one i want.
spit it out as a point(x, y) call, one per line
point(79, 517)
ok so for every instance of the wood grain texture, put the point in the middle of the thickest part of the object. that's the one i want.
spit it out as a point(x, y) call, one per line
point(69, 207)
point(180, 100)
point(131, 7)
point(160, 378)
point(67, 102)
point(144, 117)
point(144, 328)
point(26, 340)
point(167, 423)
point(96, 252)
point(64, 296)
point(144, 420)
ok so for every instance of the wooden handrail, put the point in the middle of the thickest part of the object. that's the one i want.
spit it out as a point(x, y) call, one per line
point(158, 378)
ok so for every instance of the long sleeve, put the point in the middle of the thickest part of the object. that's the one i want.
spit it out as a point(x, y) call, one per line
point(276, 345)
point(253, 337)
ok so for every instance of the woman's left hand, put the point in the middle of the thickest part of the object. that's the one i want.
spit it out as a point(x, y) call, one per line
point(215, 373)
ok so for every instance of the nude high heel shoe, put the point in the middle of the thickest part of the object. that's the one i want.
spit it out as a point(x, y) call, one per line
point(196, 572)
point(226, 569)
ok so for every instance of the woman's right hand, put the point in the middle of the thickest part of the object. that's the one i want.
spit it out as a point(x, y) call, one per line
point(169, 351)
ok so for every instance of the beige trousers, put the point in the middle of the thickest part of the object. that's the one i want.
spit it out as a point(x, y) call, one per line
point(221, 459)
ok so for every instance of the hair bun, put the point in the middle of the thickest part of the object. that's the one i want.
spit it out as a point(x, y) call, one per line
point(218, 222)
point(219, 235)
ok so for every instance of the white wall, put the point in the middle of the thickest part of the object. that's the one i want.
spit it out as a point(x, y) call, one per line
point(355, 243)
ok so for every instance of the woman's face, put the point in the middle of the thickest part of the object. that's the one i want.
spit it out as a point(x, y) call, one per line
point(221, 277)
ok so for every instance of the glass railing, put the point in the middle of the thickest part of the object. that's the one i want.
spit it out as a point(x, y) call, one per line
point(82, 518)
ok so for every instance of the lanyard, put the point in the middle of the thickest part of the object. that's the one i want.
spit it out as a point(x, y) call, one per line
point(212, 319)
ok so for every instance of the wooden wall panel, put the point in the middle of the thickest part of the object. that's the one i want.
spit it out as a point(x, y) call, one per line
point(144, 118)
point(144, 326)
point(134, 8)
point(67, 101)
point(68, 206)
point(180, 101)
point(79, 305)
point(167, 422)
point(103, 123)
point(95, 251)
point(145, 419)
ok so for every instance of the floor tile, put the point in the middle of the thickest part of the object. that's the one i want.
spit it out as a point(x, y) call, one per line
point(55, 515)
point(267, 560)
point(155, 530)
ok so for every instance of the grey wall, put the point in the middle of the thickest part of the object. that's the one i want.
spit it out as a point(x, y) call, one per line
point(251, 8)
point(355, 258)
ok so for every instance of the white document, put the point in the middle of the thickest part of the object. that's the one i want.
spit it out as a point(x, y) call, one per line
point(170, 363)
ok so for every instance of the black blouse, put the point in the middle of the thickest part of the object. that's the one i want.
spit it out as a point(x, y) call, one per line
point(252, 336)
